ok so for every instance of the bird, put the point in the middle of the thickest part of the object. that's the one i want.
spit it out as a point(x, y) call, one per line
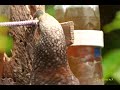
point(50, 65)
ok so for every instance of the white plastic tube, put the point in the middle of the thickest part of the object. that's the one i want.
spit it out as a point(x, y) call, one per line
point(88, 37)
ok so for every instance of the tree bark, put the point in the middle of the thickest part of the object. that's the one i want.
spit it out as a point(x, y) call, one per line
point(17, 70)
point(22, 46)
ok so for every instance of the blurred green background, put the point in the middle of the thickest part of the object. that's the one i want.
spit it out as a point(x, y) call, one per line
point(6, 42)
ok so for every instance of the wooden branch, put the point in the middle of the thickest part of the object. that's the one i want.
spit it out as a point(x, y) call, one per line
point(68, 28)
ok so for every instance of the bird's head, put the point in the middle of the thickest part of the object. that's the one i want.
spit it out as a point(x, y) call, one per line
point(38, 14)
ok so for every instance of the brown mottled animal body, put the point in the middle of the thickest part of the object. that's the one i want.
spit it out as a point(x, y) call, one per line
point(50, 66)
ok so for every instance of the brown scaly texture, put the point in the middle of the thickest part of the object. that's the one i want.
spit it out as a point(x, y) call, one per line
point(22, 48)
point(50, 66)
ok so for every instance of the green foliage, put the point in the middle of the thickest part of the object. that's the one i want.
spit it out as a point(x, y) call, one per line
point(50, 10)
point(6, 43)
point(111, 51)
point(114, 25)
point(3, 18)
point(111, 63)
point(116, 75)
point(3, 30)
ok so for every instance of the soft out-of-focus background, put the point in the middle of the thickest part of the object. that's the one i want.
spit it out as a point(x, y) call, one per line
point(110, 24)
point(5, 40)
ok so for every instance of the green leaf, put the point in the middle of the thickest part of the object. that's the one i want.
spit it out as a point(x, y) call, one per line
point(6, 43)
point(114, 25)
point(50, 10)
point(116, 75)
point(3, 29)
point(111, 63)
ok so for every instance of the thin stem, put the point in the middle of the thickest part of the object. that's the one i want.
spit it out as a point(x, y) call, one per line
point(19, 23)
